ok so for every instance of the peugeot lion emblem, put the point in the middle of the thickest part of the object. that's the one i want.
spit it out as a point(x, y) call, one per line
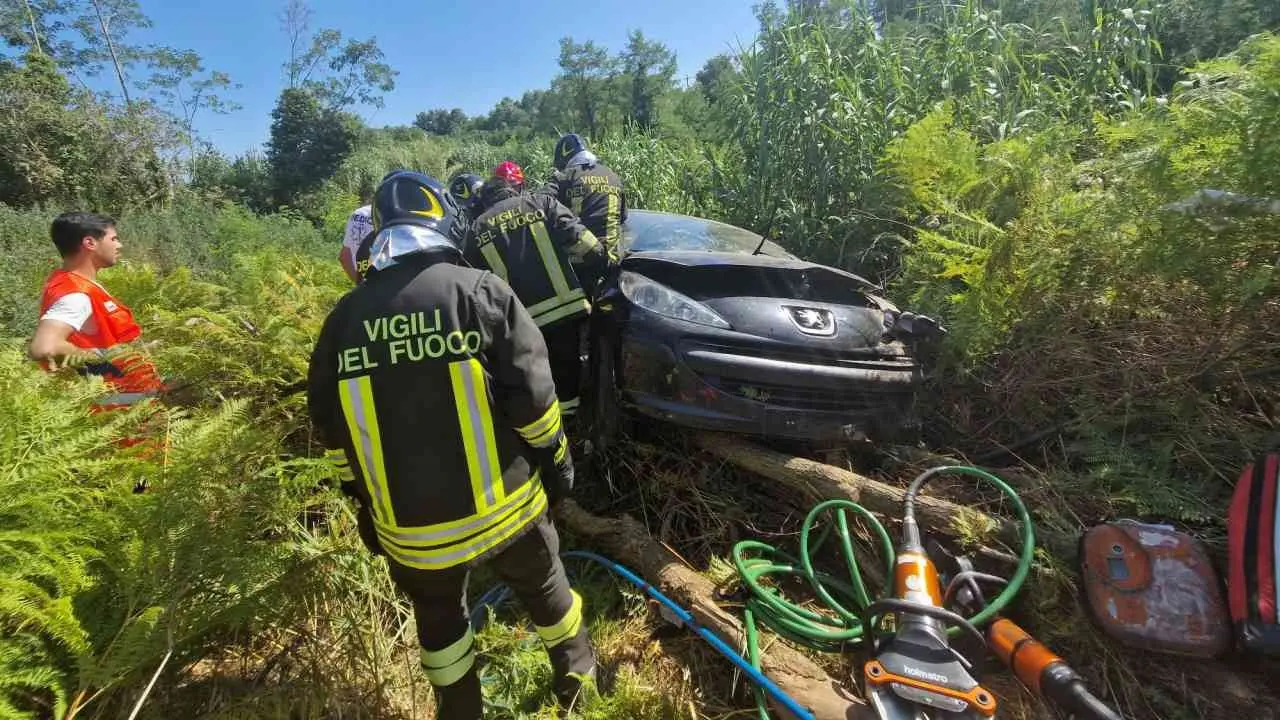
point(813, 321)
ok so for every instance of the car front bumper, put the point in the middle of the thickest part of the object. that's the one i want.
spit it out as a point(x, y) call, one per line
point(711, 379)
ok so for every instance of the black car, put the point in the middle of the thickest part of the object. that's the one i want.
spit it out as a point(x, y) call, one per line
point(710, 326)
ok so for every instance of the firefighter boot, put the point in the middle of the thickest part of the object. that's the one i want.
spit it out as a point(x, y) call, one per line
point(573, 660)
point(452, 673)
point(573, 666)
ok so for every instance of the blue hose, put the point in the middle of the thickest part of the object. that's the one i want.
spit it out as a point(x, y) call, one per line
point(496, 596)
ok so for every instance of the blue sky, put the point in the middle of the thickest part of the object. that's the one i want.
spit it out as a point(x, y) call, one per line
point(510, 47)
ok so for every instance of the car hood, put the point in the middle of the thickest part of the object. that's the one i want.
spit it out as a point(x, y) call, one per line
point(759, 295)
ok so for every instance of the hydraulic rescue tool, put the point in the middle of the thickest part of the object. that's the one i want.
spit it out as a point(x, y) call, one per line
point(915, 668)
point(915, 673)
point(1043, 672)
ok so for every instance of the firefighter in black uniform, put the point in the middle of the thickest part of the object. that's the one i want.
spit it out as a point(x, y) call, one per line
point(550, 258)
point(465, 189)
point(430, 380)
point(592, 191)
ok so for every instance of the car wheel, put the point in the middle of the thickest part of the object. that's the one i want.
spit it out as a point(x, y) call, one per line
point(607, 415)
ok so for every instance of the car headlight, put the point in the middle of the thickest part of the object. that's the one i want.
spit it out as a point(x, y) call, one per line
point(659, 298)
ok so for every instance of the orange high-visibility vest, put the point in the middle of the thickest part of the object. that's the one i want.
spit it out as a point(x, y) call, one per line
point(133, 378)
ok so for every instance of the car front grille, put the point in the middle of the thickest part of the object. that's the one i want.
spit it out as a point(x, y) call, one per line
point(889, 357)
point(862, 398)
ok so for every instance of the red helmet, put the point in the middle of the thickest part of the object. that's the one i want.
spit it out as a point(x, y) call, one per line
point(509, 172)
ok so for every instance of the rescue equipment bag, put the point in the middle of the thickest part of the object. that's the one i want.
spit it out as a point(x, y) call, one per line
point(1253, 554)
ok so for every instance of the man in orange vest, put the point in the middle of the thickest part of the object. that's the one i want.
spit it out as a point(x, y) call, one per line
point(81, 326)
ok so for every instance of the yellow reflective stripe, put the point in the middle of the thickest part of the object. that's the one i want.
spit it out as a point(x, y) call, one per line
point(362, 422)
point(587, 242)
point(561, 449)
point(550, 261)
point(541, 432)
point(569, 407)
point(453, 555)
point(575, 307)
point(555, 302)
point(476, 423)
point(494, 259)
point(568, 626)
point(452, 531)
point(611, 224)
point(448, 666)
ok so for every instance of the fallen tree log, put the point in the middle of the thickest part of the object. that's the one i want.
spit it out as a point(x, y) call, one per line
point(627, 541)
point(819, 481)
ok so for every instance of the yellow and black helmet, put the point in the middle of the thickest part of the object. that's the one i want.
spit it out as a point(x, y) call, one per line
point(567, 146)
point(465, 188)
point(412, 198)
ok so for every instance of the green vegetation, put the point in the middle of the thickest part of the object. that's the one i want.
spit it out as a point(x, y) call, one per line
point(1085, 193)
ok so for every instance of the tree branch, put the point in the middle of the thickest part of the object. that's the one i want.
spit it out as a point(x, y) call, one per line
point(111, 46)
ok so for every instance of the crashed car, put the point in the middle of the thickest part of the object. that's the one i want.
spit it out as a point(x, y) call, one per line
point(710, 326)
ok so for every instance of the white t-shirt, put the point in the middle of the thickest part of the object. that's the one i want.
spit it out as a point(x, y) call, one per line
point(74, 309)
point(358, 225)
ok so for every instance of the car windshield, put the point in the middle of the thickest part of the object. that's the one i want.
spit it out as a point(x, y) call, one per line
point(661, 231)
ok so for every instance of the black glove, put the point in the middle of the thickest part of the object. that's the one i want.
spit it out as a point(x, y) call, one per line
point(557, 477)
point(364, 519)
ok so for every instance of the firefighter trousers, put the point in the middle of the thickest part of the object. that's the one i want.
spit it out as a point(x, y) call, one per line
point(564, 352)
point(531, 567)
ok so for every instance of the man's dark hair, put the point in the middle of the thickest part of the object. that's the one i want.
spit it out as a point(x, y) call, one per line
point(69, 228)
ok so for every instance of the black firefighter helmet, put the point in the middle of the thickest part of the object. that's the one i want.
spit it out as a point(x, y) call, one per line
point(568, 146)
point(412, 198)
point(465, 188)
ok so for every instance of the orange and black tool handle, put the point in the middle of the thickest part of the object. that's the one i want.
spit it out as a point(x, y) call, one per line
point(1046, 674)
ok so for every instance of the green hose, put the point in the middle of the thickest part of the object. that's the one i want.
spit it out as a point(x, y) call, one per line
point(840, 628)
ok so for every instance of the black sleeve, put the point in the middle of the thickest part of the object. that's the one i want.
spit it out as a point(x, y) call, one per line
point(322, 384)
point(553, 187)
point(568, 232)
point(326, 416)
point(517, 356)
point(523, 388)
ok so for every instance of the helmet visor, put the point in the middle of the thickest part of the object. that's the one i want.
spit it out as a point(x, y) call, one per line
point(399, 241)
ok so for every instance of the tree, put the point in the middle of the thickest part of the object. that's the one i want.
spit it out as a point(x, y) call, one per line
point(295, 19)
point(714, 77)
point(442, 122)
point(545, 110)
point(308, 143)
point(181, 84)
point(339, 75)
point(507, 117)
point(650, 67)
point(585, 73)
point(40, 157)
point(87, 38)
point(60, 144)
point(249, 181)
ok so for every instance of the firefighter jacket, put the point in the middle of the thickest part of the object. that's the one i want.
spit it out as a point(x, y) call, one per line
point(433, 381)
point(595, 194)
point(538, 246)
